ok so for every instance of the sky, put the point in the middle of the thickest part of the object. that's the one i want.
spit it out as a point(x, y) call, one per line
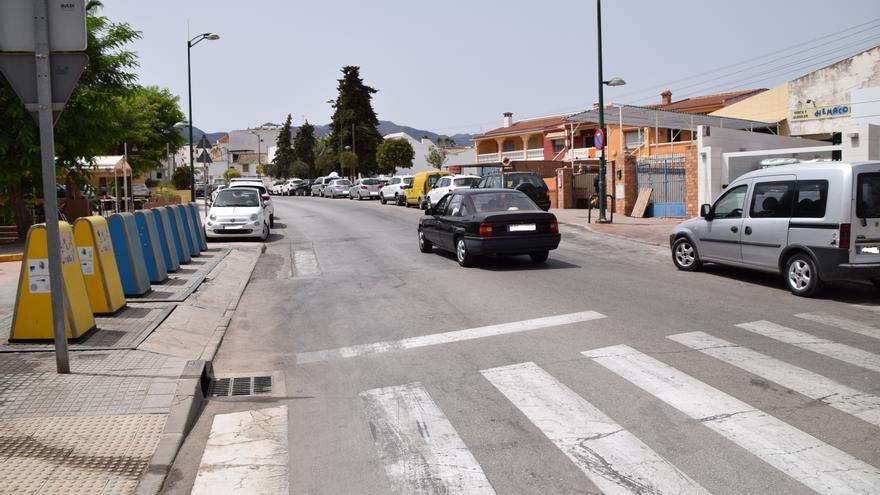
point(456, 66)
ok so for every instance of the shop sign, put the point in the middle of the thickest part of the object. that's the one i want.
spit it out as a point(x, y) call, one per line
point(820, 113)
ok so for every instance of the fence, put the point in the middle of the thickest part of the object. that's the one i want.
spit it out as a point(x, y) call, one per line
point(665, 174)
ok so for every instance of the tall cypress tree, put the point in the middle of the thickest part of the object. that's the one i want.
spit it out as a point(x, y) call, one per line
point(354, 114)
point(304, 147)
point(284, 157)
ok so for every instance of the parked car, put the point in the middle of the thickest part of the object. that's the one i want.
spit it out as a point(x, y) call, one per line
point(423, 182)
point(395, 189)
point(446, 185)
point(201, 188)
point(239, 211)
point(217, 189)
point(275, 188)
point(142, 191)
point(319, 185)
point(475, 222)
point(528, 182)
point(264, 193)
point(288, 186)
point(809, 222)
point(337, 188)
point(365, 188)
point(302, 188)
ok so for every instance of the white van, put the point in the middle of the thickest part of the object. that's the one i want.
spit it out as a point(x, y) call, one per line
point(810, 222)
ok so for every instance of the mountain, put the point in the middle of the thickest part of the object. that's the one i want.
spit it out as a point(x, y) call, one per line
point(197, 134)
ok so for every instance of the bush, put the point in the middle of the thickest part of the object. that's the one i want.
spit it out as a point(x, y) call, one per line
point(230, 174)
point(181, 177)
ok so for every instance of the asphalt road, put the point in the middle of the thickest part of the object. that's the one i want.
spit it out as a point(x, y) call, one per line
point(453, 413)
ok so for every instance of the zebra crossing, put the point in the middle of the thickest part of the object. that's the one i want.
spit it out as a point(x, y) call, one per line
point(422, 452)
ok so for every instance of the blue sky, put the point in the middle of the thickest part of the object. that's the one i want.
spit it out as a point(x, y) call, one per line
point(455, 66)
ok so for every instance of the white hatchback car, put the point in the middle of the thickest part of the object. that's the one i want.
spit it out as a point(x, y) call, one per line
point(238, 212)
point(394, 190)
point(446, 185)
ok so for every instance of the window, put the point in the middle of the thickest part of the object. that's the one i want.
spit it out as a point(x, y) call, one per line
point(440, 208)
point(772, 200)
point(467, 182)
point(394, 180)
point(558, 145)
point(158, 175)
point(514, 180)
point(730, 205)
point(408, 182)
point(507, 145)
point(454, 208)
point(443, 182)
point(432, 180)
point(589, 139)
point(868, 197)
point(502, 201)
point(633, 139)
point(812, 196)
point(245, 169)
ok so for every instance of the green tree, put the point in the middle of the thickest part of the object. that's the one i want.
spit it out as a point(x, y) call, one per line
point(146, 118)
point(300, 169)
point(436, 157)
point(304, 148)
point(181, 177)
point(348, 160)
point(354, 121)
point(231, 173)
point(394, 154)
point(284, 156)
point(326, 158)
point(86, 129)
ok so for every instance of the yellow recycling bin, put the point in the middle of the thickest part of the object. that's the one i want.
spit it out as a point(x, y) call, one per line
point(32, 320)
point(98, 264)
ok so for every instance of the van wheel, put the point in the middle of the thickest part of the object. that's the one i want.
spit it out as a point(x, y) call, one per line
point(801, 275)
point(685, 256)
point(425, 245)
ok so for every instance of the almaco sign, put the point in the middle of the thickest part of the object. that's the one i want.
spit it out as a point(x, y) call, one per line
point(820, 113)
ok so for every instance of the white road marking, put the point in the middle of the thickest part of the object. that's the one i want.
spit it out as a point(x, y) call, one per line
point(819, 466)
point(614, 459)
point(841, 352)
point(842, 323)
point(446, 337)
point(835, 394)
point(421, 451)
point(305, 264)
point(246, 453)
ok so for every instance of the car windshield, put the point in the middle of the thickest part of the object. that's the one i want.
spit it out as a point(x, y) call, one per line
point(502, 201)
point(237, 197)
point(408, 181)
point(467, 181)
point(511, 181)
point(868, 200)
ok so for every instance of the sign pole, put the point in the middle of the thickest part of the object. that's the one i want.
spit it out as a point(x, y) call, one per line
point(50, 195)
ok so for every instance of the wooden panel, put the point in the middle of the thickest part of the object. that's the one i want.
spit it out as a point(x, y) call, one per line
point(642, 202)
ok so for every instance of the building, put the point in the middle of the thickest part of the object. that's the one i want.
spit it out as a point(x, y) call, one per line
point(243, 150)
point(455, 156)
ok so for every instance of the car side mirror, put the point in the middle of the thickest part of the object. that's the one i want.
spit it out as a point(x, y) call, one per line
point(265, 197)
point(706, 212)
point(429, 210)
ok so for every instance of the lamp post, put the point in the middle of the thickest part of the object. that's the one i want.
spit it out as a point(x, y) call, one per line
point(259, 140)
point(616, 81)
point(189, 44)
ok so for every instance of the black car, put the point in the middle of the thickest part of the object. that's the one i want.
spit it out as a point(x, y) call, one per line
point(527, 182)
point(474, 222)
point(301, 188)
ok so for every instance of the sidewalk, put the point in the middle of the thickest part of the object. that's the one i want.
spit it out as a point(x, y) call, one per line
point(648, 230)
point(115, 423)
point(11, 252)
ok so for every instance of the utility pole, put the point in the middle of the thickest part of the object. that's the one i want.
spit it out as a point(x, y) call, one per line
point(601, 190)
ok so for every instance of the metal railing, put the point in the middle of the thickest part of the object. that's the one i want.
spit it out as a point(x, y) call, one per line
point(590, 209)
point(487, 158)
point(513, 155)
point(535, 154)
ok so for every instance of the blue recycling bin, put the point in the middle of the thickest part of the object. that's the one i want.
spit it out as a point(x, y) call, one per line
point(197, 223)
point(149, 237)
point(188, 231)
point(129, 254)
point(166, 240)
point(178, 235)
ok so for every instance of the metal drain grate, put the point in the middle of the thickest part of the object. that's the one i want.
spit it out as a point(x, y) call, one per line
point(240, 386)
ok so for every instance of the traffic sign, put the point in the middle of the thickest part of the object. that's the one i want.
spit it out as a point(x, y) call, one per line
point(599, 139)
point(20, 71)
point(67, 26)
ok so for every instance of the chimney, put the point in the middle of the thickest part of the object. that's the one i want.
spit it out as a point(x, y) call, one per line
point(508, 119)
point(667, 97)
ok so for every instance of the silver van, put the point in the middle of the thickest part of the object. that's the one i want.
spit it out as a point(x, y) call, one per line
point(810, 222)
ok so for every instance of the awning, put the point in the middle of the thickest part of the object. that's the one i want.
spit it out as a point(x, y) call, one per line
point(634, 116)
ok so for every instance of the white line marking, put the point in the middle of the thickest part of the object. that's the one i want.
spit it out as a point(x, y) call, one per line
point(246, 453)
point(841, 352)
point(805, 458)
point(842, 323)
point(613, 458)
point(420, 449)
point(446, 337)
point(305, 264)
point(835, 394)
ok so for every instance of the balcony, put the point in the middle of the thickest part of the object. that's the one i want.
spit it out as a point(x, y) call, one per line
point(581, 154)
point(532, 154)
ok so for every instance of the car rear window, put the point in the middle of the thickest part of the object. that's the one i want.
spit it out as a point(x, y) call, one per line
point(812, 196)
point(467, 181)
point(369, 182)
point(343, 182)
point(502, 201)
point(513, 180)
point(868, 198)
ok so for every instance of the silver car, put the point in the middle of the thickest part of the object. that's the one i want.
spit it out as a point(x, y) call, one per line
point(365, 189)
point(338, 188)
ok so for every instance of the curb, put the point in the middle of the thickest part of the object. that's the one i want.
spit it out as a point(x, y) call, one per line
point(616, 236)
point(4, 258)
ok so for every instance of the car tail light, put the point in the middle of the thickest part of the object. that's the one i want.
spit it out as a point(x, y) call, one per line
point(845, 230)
point(403, 186)
point(363, 187)
point(554, 227)
point(485, 229)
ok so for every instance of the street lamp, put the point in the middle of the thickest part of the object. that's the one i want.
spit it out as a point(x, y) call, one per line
point(614, 81)
point(259, 140)
point(189, 44)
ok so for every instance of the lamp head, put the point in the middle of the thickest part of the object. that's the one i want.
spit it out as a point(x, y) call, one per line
point(212, 36)
point(615, 81)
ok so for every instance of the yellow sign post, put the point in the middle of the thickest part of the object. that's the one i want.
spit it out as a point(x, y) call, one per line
point(32, 320)
point(98, 264)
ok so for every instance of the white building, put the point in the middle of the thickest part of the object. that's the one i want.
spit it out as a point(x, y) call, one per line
point(454, 156)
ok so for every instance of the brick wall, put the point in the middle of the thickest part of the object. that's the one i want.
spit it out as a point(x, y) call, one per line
point(692, 206)
point(564, 196)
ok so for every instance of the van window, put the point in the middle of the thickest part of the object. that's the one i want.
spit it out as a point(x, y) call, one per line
point(730, 205)
point(408, 182)
point(868, 199)
point(772, 200)
point(432, 179)
point(812, 196)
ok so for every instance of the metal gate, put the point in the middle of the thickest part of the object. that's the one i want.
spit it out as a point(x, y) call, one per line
point(665, 174)
point(583, 187)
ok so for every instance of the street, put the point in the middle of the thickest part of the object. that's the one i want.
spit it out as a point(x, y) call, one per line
point(603, 369)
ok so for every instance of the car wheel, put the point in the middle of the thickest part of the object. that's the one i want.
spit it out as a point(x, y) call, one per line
point(383, 200)
point(397, 199)
point(801, 275)
point(539, 256)
point(265, 236)
point(685, 256)
point(350, 197)
point(464, 258)
point(272, 221)
point(425, 245)
point(422, 204)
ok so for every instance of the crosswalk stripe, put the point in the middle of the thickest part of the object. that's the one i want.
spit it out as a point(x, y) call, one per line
point(837, 395)
point(614, 459)
point(819, 466)
point(447, 337)
point(421, 451)
point(842, 323)
point(841, 352)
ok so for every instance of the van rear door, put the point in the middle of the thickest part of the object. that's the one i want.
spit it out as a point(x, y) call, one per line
point(865, 236)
